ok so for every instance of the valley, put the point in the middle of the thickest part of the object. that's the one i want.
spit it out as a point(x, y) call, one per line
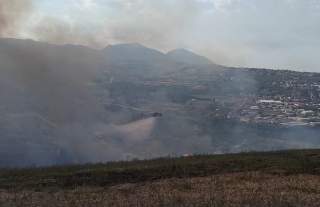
point(97, 106)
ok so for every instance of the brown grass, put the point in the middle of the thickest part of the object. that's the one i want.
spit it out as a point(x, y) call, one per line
point(236, 189)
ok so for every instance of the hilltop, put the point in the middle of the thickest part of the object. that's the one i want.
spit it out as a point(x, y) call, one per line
point(278, 178)
point(132, 51)
point(183, 55)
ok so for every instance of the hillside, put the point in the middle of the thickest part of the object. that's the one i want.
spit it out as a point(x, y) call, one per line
point(183, 55)
point(67, 104)
point(278, 178)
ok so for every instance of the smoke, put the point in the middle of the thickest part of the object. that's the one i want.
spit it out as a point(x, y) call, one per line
point(141, 21)
point(139, 130)
point(50, 108)
point(48, 105)
point(12, 12)
point(57, 31)
point(57, 79)
point(227, 55)
point(157, 24)
point(18, 19)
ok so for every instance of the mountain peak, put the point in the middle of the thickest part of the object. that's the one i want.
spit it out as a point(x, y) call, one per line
point(125, 45)
point(133, 51)
point(180, 50)
point(183, 55)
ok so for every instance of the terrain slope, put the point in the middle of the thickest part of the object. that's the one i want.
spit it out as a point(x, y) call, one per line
point(279, 178)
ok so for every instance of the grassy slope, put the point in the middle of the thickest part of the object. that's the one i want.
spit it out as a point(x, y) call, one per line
point(291, 162)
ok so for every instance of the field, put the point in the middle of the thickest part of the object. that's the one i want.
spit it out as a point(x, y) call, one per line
point(280, 178)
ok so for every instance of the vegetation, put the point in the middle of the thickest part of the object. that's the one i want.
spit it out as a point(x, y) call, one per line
point(223, 180)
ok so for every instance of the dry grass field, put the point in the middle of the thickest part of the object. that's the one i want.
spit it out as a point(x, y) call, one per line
point(287, 178)
point(235, 189)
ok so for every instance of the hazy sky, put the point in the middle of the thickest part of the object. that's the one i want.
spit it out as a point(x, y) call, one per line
point(278, 34)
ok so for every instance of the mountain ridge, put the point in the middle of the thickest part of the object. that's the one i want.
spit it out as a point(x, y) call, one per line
point(183, 55)
point(132, 51)
point(124, 51)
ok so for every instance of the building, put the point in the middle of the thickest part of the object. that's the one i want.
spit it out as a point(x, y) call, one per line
point(306, 113)
point(269, 102)
point(315, 124)
point(254, 107)
point(294, 124)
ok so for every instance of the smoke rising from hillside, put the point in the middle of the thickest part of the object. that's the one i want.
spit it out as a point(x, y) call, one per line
point(15, 13)
point(57, 31)
point(145, 22)
point(156, 24)
point(48, 102)
point(220, 30)
point(50, 108)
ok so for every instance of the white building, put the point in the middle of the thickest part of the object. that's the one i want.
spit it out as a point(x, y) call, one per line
point(269, 102)
point(254, 107)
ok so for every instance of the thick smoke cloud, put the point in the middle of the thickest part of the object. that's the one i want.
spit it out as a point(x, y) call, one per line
point(57, 31)
point(219, 30)
point(153, 23)
point(157, 24)
point(14, 16)
point(11, 13)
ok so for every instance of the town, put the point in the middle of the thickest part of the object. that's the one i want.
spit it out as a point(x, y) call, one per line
point(261, 96)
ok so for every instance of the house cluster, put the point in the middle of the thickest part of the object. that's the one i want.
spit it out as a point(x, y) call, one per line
point(288, 114)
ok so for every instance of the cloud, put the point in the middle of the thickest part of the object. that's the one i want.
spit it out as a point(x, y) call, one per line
point(291, 1)
point(218, 3)
point(229, 6)
point(83, 4)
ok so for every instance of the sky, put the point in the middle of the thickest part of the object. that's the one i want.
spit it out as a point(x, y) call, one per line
point(276, 34)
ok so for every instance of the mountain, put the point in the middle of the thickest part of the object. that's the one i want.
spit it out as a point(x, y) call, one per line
point(120, 52)
point(183, 55)
point(138, 52)
point(138, 60)
point(133, 51)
